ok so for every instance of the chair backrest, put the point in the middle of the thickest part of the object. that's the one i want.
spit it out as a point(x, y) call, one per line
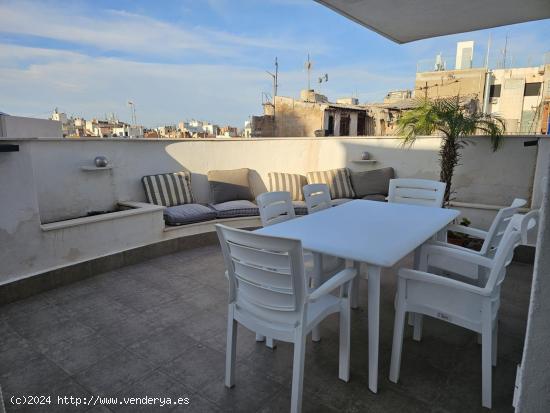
point(499, 226)
point(416, 192)
point(275, 207)
point(502, 258)
point(266, 275)
point(529, 224)
point(317, 197)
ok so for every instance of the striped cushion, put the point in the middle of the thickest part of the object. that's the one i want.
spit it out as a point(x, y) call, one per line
point(168, 189)
point(292, 183)
point(337, 180)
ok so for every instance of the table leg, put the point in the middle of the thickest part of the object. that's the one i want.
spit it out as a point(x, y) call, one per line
point(374, 324)
point(416, 263)
point(354, 302)
point(316, 282)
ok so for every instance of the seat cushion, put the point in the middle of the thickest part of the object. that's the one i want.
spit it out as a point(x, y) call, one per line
point(337, 180)
point(293, 183)
point(168, 189)
point(229, 185)
point(340, 201)
point(374, 182)
point(300, 207)
point(188, 213)
point(375, 197)
point(233, 209)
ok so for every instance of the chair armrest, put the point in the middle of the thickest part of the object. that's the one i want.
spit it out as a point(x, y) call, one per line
point(427, 277)
point(452, 246)
point(333, 282)
point(473, 232)
point(462, 254)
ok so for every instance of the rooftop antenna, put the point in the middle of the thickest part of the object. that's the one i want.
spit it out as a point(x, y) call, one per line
point(133, 109)
point(488, 52)
point(504, 52)
point(308, 66)
point(275, 79)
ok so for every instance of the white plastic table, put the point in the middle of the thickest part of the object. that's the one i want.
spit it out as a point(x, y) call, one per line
point(376, 233)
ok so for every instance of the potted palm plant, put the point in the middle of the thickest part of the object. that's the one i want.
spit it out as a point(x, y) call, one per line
point(454, 121)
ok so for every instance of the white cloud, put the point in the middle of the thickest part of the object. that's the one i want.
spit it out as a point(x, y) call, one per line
point(164, 93)
point(121, 31)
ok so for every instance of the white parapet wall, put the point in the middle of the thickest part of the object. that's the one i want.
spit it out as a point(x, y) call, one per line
point(49, 180)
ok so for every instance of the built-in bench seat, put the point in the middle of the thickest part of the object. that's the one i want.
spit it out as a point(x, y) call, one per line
point(174, 192)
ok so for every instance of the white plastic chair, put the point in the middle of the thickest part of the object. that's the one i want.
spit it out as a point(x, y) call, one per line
point(275, 207)
point(268, 293)
point(416, 192)
point(491, 239)
point(466, 305)
point(317, 197)
point(412, 191)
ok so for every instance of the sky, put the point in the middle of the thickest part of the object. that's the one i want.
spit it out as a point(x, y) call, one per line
point(207, 59)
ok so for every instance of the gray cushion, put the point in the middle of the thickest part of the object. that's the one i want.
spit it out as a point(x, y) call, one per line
point(188, 213)
point(300, 207)
point(339, 201)
point(229, 185)
point(232, 209)
point(375, 197)
point(372, 182)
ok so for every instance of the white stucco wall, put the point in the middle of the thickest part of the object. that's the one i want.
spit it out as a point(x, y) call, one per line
point(483, 177)
point(44, 183)
point(21, 127)
point(534, 394)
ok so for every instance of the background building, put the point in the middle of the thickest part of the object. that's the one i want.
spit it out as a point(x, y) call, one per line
point(518, 95)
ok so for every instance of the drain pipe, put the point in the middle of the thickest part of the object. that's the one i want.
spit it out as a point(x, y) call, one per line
point(487, 91)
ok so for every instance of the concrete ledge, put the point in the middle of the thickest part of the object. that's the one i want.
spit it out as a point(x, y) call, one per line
point(186, 230)
point(136, 208)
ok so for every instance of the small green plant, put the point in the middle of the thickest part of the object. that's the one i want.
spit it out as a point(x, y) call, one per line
point(462, 239)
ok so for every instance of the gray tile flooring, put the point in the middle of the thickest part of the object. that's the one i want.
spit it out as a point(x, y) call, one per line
point(158, 329)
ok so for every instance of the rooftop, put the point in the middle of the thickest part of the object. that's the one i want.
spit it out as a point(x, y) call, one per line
point(158, 328)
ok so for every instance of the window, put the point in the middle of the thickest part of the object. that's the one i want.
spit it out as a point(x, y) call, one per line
point(344, 125)
point(495, 91)
point(532, 89)
point(331, 125)
point(361, 121)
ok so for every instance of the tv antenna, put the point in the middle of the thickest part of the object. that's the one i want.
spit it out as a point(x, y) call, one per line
point(133, 106)
point(275, 77)
point(308, 66)
point(504, 52)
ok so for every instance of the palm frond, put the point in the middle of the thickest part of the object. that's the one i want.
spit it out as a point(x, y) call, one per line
point(455, 121)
